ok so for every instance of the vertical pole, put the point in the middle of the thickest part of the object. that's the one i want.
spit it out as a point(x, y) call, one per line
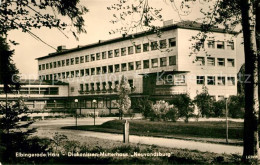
point(226, 120)
point(76, 117)
point(94, 115)
point(126, 132)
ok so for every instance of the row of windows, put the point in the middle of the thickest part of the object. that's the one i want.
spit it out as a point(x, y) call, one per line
point(130, 66)
point(212, 80)
point(111, 53)
point(211, 61)
point(229, 45)
point(36, 91)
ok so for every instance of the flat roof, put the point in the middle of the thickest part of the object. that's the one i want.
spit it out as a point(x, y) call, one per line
point(192, 25)
point(41, 82)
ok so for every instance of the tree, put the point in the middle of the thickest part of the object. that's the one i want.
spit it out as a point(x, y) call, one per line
point(144, 105)
point(218, 108)
point(229, 14)
point(236, 106)
point(124, 101)
point(204, 103)
point(164, 111)
point(184, 105)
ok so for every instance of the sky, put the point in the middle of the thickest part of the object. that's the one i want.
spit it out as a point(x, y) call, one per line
point(97, 24)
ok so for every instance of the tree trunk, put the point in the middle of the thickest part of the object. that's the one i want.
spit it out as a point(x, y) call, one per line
point(251, 87)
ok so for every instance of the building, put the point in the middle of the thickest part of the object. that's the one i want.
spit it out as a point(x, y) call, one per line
point(39, 95)
point(158, 67)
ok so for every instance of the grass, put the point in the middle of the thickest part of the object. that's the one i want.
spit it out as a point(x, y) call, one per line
point(214, 129)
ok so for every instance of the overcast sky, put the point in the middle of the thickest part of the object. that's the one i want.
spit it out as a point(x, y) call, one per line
point(97, 26)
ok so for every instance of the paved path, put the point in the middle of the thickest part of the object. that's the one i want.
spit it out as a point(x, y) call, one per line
point(50, 126)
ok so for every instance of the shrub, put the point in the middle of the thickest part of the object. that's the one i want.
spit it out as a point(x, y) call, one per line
point(219, 108)
point(236, 106)
point(204, 103)
point(163, 111)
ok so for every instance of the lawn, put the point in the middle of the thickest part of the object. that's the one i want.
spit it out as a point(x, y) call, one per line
point(214, 129)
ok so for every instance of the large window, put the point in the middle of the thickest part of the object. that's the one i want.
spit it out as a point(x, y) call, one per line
point(211, 61)
point(87, 58)
point(104, 69)
point(154, 45)
point(221, 81)
point(104, 55)
point(77, 60)
point(98, 69)
point(130, 66)
point(211, 44)
point(116, 52)
point(92, 71)
point(221, 62)
point(67, 74)
point(200, 61)
point(81, 72)
point(163, 61)
point(138, 65)
point(81, 59)
point(200, 79)
point(172, 42)
point(146, 64)
point(123, 67)
point(92, 56)
point(71, 61)
point(71, 74)
point(86, 72)
point(98, 56)
point(138, 48)
point(230, 62)
point(163, 44)
point(155, 63)
point(77, 73)
point(211, 80)
point(54, 90)
point(110, 69)
point(231, 81)
point(145, 47)
point(123, 51)
point(117, 68)
point(179, 79)
point(110, 54)
point(220, 45)
point(130, 50)
point(172, 60)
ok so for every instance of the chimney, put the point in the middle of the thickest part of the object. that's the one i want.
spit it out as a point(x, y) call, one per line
point(61, 48)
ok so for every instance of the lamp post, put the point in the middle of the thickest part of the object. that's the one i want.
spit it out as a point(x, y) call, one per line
point(94, 102)
point(76, 101)
point(226, 99)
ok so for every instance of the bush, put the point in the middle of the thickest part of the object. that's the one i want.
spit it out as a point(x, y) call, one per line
point(219, 108)
point(163, 111)
point(236, 106)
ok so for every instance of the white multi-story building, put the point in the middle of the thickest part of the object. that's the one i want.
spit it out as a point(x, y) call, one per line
point(156, 66)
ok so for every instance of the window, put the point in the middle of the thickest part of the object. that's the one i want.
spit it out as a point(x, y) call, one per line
point(98, 70)
point(98, 86)
point(92, 71)
point(146, 64)
point(200, 79)
point(54, 91)
point(221, 81)
point(211, 80)
point(211, 44)
point(230, 45)
point(123, 51)
point(172, 42)
point(59, 63)
point(67, 74)
point(77, 73)
point(130, 50)
point(163, 61)
point(51, 65)
point(131, 83)
point(40, 67)
point(47, 66)
point(67, 62)
point(221, 62)
point(104, 55)
point(230, 62)
point(116, 51)
point(54, 64)
point(72, 74)
point(110, 54)
point(92, 86)
point(43, 66)
point(123, 67)
point(110, 69)
point(145, 47)
point(220, 45)
point(86, 72)
point(81, 87)
point(163, 44)
point(117, 68)
point(81, 59)
point(138, 49)
point(63, 75)
point(211, 61)
point(154, 45)
point(130, 66)
point(200, 61)
point(179, 79)
point(47, 77)
point(104, 69)
point(92, 56)
point(138, 65)
point(81, 72)
point(87, 87)
point(231, 80)
point(98, 56)
point(72, 61)
point(172, 60)
point(87, 58)
point(63, 62)
point(77, 60)
point(155, 63)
